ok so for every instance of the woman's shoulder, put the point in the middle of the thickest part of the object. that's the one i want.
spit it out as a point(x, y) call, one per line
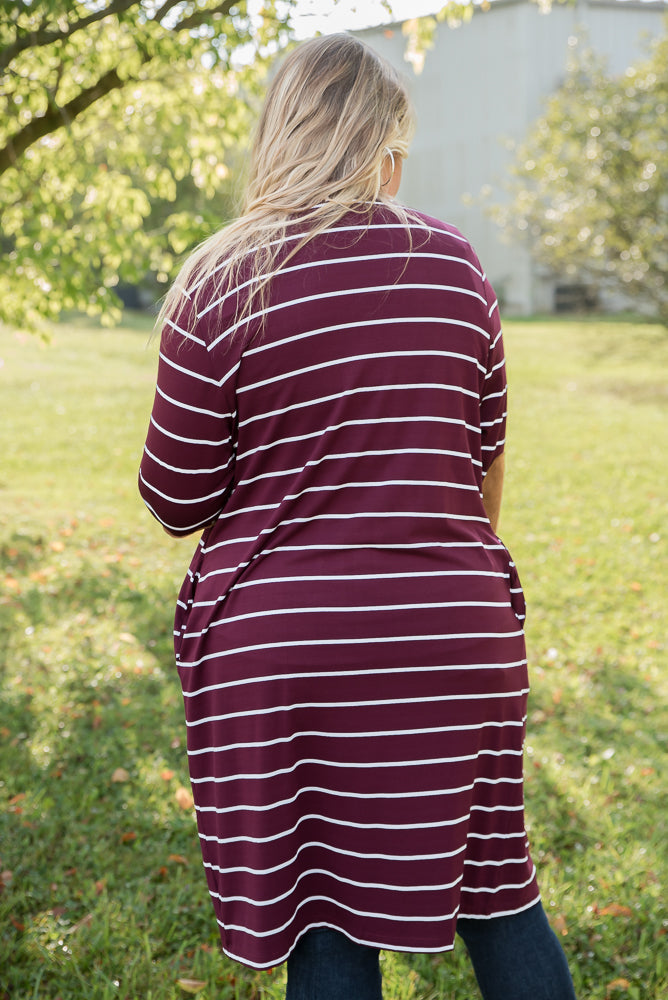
point(426, 231)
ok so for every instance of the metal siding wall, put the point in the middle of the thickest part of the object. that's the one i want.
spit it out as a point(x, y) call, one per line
point(483, 84)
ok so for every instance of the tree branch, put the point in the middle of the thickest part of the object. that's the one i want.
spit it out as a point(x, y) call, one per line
point(45, 36)
point(201, 17)
point(165, 9)
point(56, 117)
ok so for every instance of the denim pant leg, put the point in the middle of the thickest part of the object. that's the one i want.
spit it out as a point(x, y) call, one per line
point(518, 957)
point(326, 965)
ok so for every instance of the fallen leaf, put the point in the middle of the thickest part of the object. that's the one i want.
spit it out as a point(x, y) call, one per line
point(120, 775)
point(616, 984)
point(100, 886)
point(128, 837)
point(615, 910)
point(126, 637)
point(17, 924)
point(560, 924)
point(636, 586)
point(184, 798)
point(191, 985)
point(166, 775)
point(178, 859)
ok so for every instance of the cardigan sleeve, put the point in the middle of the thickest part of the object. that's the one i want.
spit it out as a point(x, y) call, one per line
point(493, 405)
point(187, 468)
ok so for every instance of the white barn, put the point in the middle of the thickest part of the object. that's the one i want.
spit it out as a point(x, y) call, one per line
point(484, 83)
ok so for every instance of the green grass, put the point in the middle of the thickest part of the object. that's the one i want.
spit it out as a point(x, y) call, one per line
point(102, 890)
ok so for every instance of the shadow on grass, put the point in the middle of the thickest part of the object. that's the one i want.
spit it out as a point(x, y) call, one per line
point(97, 833)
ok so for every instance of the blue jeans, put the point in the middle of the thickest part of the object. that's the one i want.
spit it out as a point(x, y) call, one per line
point(514, 958)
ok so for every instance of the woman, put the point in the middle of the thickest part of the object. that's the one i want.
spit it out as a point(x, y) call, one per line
point(330, 409)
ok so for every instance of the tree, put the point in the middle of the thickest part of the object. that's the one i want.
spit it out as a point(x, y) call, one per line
point(590, 185)
point(109, 110)
point(120, 124)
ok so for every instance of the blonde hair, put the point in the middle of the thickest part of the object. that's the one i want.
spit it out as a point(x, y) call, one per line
point(332, 114)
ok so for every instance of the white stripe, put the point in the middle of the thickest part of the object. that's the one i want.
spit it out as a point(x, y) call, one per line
point(191, 502)
point(328, 262)
point(357, 423)
point(185, 333)
point(381, 453)
point(497, 864)
point(186, 406)
point(349, 909)
point(390, 796)
point(337, 850)
point(185, 528)
point(381, 703)
point(383, 887)
point(497, 808)
point(350, 358)
point(188, 371)
point(307, 817)
point(197, 441)
point(494, 395)
point(492, 423)
point(345, 609)
point(392, 733)
point(498, 913)
point(363, 324)
point(369, 576)
point(361, 515)
point(338, 293)
point(188, 472)
point(212, 779)
point(371, 484)
point(373, 944)
point(493, 447)
point(409, 386)
point(496, 836)
point(383, 671)
point(369, 546)
point(502, 888)
point(496, 367)
point(288, 238)
point(351, 641)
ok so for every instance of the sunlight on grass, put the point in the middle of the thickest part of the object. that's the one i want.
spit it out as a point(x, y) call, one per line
point(101, 892)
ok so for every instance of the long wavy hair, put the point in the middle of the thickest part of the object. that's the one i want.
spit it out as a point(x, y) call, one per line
point(332, 113)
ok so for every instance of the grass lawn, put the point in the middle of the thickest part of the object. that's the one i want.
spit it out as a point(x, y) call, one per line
point(101, 890)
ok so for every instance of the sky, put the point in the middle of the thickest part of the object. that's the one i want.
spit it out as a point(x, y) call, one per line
point(348, 15)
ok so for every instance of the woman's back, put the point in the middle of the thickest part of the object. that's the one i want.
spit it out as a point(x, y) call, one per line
point(350, 631)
